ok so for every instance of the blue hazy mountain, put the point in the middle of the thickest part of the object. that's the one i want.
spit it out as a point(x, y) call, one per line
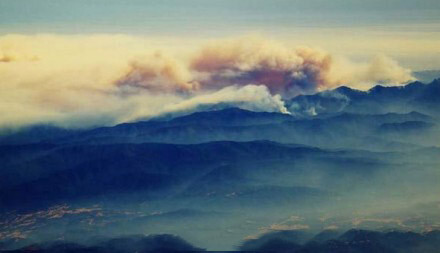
point(211, 187)
point(230, 118)
point(34, 133)
point(356, 241)
point(341, 159)
point(241, 125)
point(289, 240)
point(335, 131)
point(54, 173)
point(331, 119)
point(132, 243)
point(414, 96)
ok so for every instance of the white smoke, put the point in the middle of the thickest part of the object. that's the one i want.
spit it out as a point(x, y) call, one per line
point(78, 81)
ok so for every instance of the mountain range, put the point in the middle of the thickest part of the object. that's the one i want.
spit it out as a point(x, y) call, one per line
point(340, 158)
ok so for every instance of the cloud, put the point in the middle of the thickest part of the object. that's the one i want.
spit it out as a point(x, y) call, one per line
point(10, 53)
point(159, 73)
point(87, 80)
point(255, 60)
point(379, 70)
point(250, 97)
point(288, 71)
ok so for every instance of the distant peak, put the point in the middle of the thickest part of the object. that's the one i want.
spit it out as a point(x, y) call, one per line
point(346, 90)
point(414, 84)
point(343, 88)
point(377, 88)
point(230, 110)
point(436, 81)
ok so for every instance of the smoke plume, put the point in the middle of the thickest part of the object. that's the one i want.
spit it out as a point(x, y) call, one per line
point(286, 71)
point(87, 80)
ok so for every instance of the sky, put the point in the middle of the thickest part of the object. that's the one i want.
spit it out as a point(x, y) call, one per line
point(404, 29)
point(142, 58)
point(207, 16)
